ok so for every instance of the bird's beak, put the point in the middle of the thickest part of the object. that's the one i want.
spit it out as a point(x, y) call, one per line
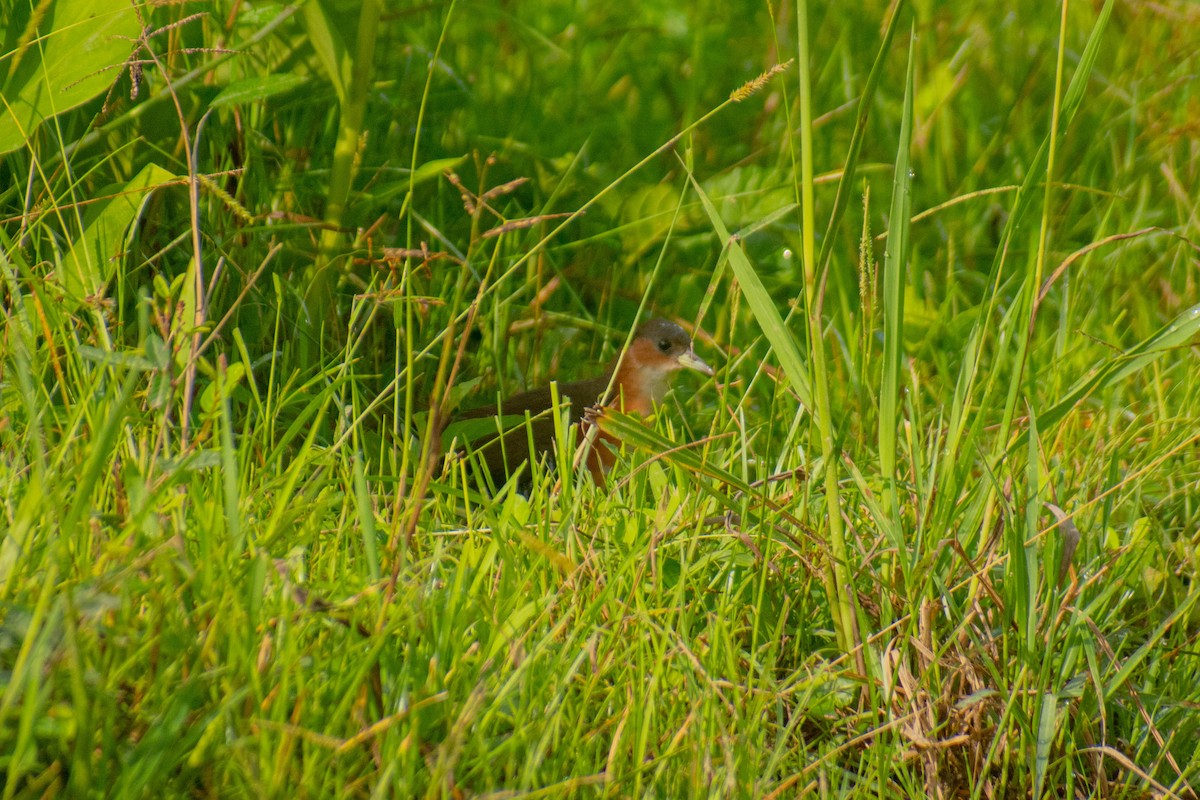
point(693, 361)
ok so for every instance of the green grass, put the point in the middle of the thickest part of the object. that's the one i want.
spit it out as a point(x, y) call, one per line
point(932, 530)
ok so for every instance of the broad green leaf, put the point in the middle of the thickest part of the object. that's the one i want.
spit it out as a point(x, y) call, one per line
point(93, 258)
point(516, 623)
point(329, 45)
point(384, 190)
point(434, 168)
point(646, 216)
point(77, 53)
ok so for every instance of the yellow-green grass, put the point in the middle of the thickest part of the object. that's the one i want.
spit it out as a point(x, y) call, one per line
point(931, 530)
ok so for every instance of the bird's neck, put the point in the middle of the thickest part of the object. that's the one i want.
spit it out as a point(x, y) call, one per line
point(638, 389)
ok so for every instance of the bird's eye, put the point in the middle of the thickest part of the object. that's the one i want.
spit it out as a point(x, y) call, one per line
point(664, 345)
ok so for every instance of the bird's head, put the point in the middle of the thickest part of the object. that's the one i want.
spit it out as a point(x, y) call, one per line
point(659, 349)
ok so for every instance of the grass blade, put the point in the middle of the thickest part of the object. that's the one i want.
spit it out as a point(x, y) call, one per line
point(895, 266)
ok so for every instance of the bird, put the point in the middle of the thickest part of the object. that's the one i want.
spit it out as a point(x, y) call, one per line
point(642, 377)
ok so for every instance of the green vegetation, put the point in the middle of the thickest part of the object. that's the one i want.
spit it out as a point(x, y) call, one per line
point(936, 532)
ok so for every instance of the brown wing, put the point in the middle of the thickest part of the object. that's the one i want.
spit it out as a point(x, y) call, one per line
point(581, 394)
point(504, 454)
